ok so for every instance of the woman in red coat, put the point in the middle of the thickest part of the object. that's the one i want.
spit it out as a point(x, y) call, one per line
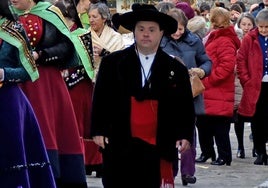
point(221, 46)
point(252, 69)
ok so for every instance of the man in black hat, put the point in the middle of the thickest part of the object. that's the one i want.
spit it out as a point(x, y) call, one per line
point(142, 105)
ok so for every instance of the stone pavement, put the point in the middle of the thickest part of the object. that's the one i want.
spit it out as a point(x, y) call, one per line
point(241, 174)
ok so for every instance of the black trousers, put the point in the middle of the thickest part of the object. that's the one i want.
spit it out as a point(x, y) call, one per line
point(239, 124)
point(260, 122)
point(138, 165)
point(215, 128)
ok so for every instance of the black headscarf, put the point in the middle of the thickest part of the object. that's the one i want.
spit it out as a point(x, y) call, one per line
point(5, 11)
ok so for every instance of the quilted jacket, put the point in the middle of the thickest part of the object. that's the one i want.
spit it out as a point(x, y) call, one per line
point(221, 47)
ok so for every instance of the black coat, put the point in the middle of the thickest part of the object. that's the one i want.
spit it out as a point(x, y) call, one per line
point(119, 78)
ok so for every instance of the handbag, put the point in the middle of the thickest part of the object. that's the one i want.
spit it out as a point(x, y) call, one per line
point(74, 78)
point(197, 85)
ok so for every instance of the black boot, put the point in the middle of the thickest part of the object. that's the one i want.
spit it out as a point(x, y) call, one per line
point(240, 153)
point(188, 179)
point(261, 160)
point(239, 131)
point(220, 162)
point(203, 158)
point(88, 170)
point(99, 171)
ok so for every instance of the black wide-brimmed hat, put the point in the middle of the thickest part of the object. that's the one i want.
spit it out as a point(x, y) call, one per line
point(145, 12)
point(5, 11)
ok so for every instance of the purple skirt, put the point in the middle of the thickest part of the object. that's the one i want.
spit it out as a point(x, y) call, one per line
point(23, 159)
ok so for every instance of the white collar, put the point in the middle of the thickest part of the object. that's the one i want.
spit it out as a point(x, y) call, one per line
point(144, 58)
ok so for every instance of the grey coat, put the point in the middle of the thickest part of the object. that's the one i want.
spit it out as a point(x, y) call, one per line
point(192, 52)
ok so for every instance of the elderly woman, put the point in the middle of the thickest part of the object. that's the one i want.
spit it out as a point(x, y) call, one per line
point(105, 39)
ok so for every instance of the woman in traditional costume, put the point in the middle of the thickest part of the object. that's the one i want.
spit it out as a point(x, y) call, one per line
point(23, 157)
point(53, 50)
point(104, 38)
point(104, 41)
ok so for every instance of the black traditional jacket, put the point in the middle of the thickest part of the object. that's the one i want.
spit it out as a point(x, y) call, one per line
point(120, 78)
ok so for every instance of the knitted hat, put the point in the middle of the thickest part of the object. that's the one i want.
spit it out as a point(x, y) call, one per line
point(186, 8)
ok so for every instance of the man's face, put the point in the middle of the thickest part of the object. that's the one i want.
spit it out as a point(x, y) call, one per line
point(147, 36)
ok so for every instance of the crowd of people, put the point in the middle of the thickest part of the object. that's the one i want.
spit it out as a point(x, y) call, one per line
point(77, 96)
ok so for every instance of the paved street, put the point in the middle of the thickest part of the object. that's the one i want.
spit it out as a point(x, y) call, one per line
point(241, 174)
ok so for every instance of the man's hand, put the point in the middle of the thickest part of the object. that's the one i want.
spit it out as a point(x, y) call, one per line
point(101, 141)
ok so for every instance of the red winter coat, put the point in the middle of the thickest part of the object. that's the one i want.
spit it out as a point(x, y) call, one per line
point(250, 72)
point(221, 47)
